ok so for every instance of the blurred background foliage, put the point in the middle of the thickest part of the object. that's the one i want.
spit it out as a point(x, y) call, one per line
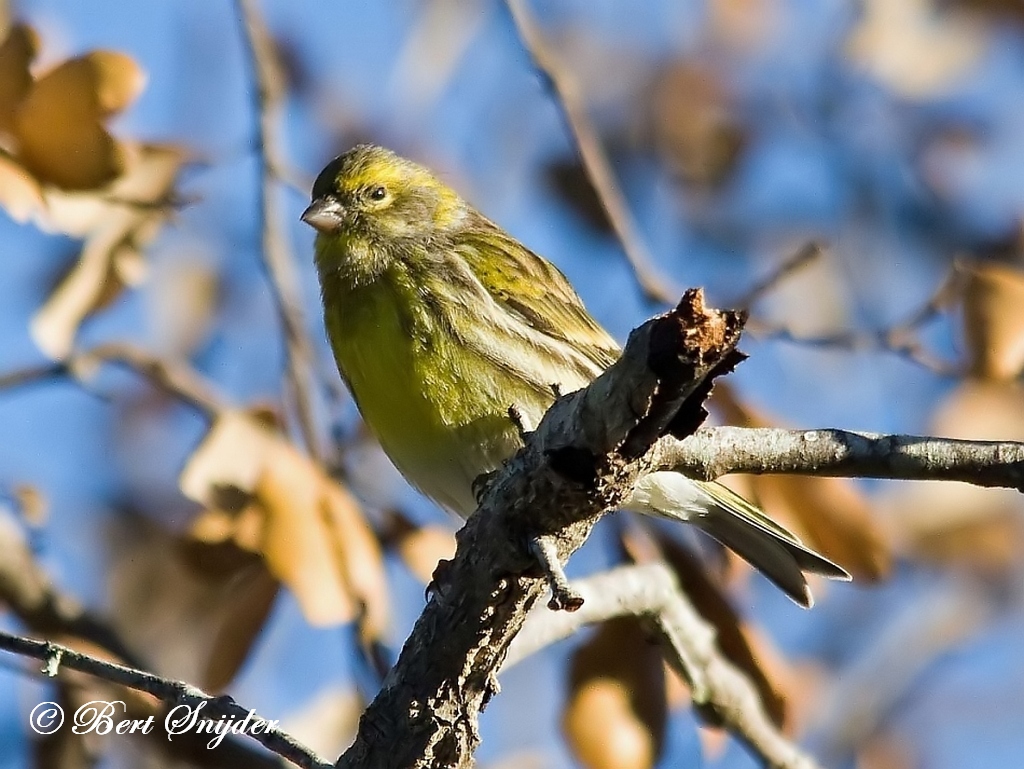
point(185, 485)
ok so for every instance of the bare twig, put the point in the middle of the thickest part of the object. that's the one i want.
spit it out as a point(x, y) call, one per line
point(895, 340)
point(173, 377)
point(176, 693)
point(651, 590)
point(595, 161)
point(27, 591)
point(269, 83)
point(808, 253)
point(23, 377)
point(715, 451)
point(900, 339)
point(44, 609)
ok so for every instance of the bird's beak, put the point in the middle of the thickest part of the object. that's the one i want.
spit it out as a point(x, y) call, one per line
point(324, 215)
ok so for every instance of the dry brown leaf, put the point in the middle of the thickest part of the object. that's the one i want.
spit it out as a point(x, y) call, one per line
point(888, 750)
point(979, 410)
point(20, 194)
point(1002, 10)
point(713, 742)
point(253, 596)
point(143, 191)
point(308, 528)
point(987, 547)
point(743, 24)
point(32, 504)
point(913, 47)
point(58, 124)
point(169, 597)
point(694, 124)
point(806, 681)
point(182, 300)
point(993, 318)
point(602, 729)
point(116, 225)
point(616, 709)
point(16, 54)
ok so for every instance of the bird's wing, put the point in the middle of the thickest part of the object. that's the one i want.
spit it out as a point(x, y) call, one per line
point(534, 289)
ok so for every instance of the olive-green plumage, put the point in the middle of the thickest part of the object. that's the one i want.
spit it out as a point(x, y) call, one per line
point(440, 320)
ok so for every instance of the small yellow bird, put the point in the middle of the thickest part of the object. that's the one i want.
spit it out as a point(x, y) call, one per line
point(440, 321)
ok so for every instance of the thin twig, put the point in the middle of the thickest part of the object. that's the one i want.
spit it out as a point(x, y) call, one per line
point(893, 340)
point(176, 693)
point(595, 161)
point(651, 590)
point(26, 590)
point(269, 87)
point(808, 253)
point(173, 377)
point(45, 610)
point(899, 339)
point(715, 451)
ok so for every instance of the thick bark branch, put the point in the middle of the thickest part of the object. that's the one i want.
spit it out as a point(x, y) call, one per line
point(716, 451)
point(582, 461)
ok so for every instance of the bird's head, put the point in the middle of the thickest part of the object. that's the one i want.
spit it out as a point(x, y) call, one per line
point(374, 197)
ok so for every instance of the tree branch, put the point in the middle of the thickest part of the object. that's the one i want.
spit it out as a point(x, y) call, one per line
point(808, 253)
point(901, 339)
point(721, 690)
point(716, 451)
point(55, 656)
point(175, 378)
point(581, 461)
point(269, 84)
point(595, 161)
point(27, 591)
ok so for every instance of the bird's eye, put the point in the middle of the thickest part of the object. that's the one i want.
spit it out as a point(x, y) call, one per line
point(378, 193)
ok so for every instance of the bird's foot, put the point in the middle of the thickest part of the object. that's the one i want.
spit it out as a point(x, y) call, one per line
point(563, 596)
point(519, 421)
point(480, 484)
point(438, 580)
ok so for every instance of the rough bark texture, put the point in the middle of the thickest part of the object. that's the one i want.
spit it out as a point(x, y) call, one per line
point(582, 460)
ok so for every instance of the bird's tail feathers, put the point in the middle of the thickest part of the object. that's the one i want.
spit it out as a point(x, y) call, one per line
point(763, 543)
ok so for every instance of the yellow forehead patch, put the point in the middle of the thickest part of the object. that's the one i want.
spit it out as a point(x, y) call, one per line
point(377, 172)
point(391, 172)
point(367, 166)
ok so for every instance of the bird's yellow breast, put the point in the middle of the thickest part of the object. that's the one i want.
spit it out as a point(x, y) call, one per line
point(439, 411)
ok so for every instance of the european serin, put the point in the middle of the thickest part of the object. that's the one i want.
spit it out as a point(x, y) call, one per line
point(440, 320)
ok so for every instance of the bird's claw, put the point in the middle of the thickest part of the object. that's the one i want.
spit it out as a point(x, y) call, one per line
point(563, 596)
point(481, 483)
